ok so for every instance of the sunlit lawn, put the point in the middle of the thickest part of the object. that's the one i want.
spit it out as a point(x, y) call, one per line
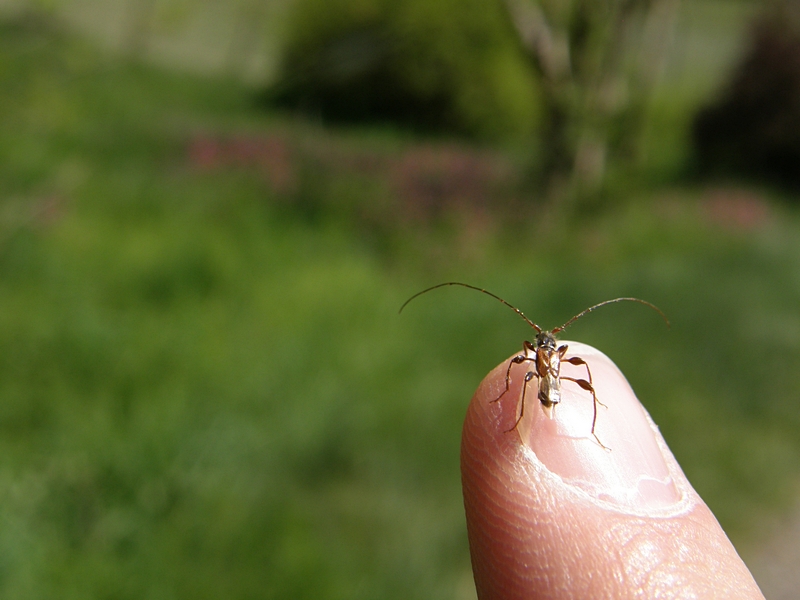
point(206, 390)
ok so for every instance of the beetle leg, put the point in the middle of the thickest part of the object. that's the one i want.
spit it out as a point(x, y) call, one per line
point(577, 360)
point(517, 360)
point(528, 376)
point(586, 385)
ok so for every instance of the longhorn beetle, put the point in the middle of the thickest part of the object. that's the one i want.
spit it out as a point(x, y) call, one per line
point(546, 357)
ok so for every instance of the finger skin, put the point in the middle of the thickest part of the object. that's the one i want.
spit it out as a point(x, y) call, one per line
point(536, 533)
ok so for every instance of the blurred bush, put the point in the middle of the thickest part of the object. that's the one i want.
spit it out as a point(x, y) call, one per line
point(443, 65)
point(754, 127)
point(598, 63)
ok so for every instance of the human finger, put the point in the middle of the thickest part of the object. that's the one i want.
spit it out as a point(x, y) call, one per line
point(552, 513)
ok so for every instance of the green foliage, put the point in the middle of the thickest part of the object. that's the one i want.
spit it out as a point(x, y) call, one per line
point(443, 65)
point(194, 386)
point(753, 128)
point(204, 394)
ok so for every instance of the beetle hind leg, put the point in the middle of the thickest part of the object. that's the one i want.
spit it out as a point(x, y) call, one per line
point(577, 360)
point(528, 376)
point(587, 385)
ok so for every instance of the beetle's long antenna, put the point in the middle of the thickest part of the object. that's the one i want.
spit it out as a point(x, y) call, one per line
point(591, 308)
point(472, 287)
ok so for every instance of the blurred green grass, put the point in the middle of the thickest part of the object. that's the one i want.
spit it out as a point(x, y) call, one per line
point(206, 393)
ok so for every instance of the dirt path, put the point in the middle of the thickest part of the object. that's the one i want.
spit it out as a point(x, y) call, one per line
point(776, 565)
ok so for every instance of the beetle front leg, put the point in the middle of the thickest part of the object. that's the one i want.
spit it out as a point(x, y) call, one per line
point(517, 360)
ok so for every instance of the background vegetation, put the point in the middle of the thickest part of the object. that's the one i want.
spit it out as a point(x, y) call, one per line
point(447, 65)
point(205, 389)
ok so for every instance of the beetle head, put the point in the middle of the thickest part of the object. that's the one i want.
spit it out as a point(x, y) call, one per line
point(546, 341)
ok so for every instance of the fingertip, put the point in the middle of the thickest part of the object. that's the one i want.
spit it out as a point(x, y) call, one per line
point(558, 516)
point(488, 456)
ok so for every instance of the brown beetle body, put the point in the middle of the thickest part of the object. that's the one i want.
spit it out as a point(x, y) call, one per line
point(546, 357)
point(548, 369)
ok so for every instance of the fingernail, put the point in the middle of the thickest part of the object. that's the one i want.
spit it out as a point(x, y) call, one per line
point(631, 471)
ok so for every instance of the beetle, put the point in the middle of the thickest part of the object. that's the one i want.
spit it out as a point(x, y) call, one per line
point(546, 356)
